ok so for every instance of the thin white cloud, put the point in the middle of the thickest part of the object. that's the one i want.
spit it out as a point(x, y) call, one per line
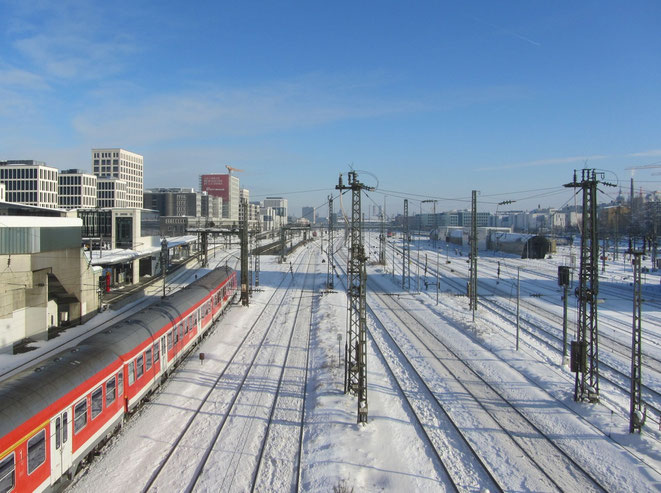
point(15, 77)
point(650, 153)
point(507, 31)
point(296, 103)
point(545, 162)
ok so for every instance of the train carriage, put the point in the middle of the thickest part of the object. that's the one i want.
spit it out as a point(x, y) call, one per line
point(54, 414)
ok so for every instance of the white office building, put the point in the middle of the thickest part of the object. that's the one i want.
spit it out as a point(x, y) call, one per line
point(124, 165)
point(29, 182)
point(76, 190)
point(111, 192)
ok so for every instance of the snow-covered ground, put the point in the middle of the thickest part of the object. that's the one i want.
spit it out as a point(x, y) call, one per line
point(393, 451)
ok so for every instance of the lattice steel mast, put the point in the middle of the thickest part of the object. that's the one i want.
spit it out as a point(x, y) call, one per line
point(382, 237)
point(406, 250)
point(585, 351)
point(245, 295)
point(331, 257)
point(636, 412)
point(472, 291)
point(355, 380)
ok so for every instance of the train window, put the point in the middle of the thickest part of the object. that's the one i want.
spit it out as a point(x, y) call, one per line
point(181, 331)
point(176, 333)
point(36, 451)
point(169, 340)
point(58, 433)
point(80, 416)
point(148, 359)
point(65, 427)
point(139, 366)
point(131, 372)
point(186, 324)
point(7, 473)
point(120, 383)
point(97, 402)
point(156, 353)
point(110, 391)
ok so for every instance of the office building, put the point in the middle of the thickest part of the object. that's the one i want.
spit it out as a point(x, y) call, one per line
point(29, 182)
point(76, 189)
point(111, 192)
point(309, 213)
point(124, 165)
point(226, 187)
point(174, 201)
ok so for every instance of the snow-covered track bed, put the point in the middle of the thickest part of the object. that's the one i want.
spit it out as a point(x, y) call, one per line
point(544, 327)
point(533, 460)
point(462, 465)
point(221, 445)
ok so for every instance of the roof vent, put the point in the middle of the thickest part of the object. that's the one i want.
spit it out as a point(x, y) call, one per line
point(59, 358)
point(38, 368)
point(74, 362)
point(75, 350)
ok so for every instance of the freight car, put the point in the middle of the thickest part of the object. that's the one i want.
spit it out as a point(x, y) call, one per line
point(53, 415)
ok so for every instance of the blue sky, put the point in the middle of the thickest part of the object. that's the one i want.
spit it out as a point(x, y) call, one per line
point(432, 99)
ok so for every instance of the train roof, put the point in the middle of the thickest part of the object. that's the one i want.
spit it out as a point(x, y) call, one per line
point(27, 393)
point(33, 390)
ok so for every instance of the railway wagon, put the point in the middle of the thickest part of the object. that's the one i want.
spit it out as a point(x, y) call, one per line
point(54, 414)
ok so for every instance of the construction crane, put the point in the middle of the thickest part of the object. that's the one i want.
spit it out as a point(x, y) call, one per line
point(230, 169)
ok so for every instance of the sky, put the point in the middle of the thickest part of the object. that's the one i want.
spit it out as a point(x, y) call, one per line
point(425, 100)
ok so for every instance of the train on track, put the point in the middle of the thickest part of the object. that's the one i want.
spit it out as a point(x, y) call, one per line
point(55, 414)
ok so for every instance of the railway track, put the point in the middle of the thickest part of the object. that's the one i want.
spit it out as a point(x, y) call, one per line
point(229, 410)
point(617, 370)
point(540, 464)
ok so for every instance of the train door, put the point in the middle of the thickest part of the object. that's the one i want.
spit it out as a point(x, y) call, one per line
point(164, 355)
point(60, 445)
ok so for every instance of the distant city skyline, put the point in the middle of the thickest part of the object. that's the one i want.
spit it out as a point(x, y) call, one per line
point(425, 100)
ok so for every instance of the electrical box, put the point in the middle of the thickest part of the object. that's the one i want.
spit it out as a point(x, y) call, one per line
point(579, 353)
point(563, 275)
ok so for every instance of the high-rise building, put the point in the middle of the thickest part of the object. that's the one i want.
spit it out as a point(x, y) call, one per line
point(226, 187)
point(76, 189)
point(29, 182)
point(309, 213)
point(124, 165)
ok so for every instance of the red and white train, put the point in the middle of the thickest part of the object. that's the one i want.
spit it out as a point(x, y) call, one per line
point(55, 414)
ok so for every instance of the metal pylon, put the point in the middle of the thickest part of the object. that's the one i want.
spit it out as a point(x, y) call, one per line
point(636, 411)
point(382, 236)
point(473, 259)
point(245, 294)
point(406, 250)
point(355, 380)
point(331, 257)
point(586, 385)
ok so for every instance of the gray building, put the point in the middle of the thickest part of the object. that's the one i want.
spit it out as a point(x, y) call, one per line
point(309, 213)
point(174, 201)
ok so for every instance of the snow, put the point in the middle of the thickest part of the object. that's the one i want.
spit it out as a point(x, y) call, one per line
point(390, 452)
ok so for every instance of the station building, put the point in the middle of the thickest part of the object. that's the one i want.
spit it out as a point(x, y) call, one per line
point(47, 280)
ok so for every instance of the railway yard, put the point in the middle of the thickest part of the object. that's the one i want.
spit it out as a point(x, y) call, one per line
point(452, 404)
